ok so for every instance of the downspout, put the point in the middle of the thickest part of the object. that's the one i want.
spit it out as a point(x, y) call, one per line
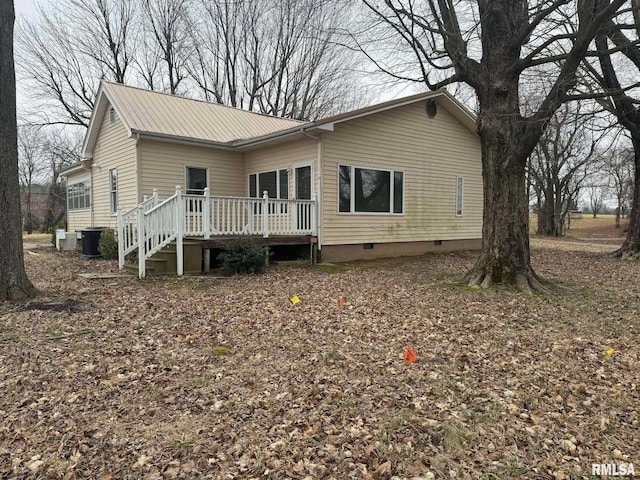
point(138, 192)
point(91, 193)
point(319, 185)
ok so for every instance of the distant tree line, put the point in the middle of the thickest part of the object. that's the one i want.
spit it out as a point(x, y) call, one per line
point(277, 57)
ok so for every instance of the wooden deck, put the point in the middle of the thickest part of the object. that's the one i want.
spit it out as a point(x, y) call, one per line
point(219, 242)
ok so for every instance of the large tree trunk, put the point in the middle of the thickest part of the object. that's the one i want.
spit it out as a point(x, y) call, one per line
point(14, 283)
point(504, 258)
point(631, 246)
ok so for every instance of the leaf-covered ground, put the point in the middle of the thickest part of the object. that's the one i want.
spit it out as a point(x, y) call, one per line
point(224, 378)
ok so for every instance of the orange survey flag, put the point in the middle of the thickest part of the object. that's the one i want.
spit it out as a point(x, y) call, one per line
point(410, 356)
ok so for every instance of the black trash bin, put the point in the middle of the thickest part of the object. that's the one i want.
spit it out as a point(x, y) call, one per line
point(91, 240)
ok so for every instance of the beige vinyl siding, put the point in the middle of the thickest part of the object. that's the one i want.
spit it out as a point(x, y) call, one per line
point(78, 219)
point(114, 149)
point(432, 154)
point(163, 166)
point(283, 156)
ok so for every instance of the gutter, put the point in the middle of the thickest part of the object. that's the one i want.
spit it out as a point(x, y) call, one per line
point(138, 135)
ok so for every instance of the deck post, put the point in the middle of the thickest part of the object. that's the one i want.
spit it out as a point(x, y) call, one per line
point(265, 214)
point(155, 197)
point(120, 240)
point(315, 208)
point(142, 254)
point(179, 215)
point(206, 226)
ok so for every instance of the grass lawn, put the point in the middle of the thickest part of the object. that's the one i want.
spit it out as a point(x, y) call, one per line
point(224, 378)
point(587, 227)
point(37, 238)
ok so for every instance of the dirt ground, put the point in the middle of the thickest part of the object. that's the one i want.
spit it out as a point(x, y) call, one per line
point(200, 377)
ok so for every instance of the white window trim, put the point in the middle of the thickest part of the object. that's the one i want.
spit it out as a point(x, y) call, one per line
point(186, 178)
point(277, 170)
point(461, 214)
point(352, 195)
point(86, 209)
point(113, 209)
point(293, 174)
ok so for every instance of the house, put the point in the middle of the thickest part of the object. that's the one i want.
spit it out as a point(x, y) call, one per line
point(402, 177)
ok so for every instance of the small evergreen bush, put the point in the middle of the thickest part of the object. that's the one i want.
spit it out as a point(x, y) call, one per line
point(108, 245)
point(52, 231)
point(242, 256)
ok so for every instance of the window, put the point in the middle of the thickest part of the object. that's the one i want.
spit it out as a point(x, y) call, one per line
point(303, 182)
point(113, 190)
point(112, 115)
point(365, 190)
point(275, 183)
point(79, 196)
point(459, 190)
point(196, 180)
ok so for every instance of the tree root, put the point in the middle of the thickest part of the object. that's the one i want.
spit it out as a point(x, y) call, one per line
point(625, 253)
point(16, 294)
point(526, 283)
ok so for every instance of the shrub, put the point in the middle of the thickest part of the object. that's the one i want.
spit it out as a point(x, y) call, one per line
point(242, 256)
point(52, 231)
point(108, 245)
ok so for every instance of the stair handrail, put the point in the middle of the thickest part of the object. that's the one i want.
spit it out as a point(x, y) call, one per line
point(128, 225)
point(157, 228)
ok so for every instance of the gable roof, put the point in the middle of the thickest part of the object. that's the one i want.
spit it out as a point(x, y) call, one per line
point(148, 112)
point(162, 116)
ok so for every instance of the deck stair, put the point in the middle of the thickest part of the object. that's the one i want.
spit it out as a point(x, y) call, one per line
point(163, 231)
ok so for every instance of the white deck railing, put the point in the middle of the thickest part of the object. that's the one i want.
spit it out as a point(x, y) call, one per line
point(128, 226)
point(155, 223)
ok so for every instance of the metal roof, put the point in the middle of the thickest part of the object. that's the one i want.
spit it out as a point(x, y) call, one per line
point(146, 111)
point(159, 115)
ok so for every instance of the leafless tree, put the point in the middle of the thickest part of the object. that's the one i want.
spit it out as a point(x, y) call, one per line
point(597, 194)
point(622, 37)
point(14, 283)
point(559, 165)
point(492, 46)
point(65, 52)
point(31, 167)
point(60, 150)
point(619, 167)
point(167, 25)
point(277, 57)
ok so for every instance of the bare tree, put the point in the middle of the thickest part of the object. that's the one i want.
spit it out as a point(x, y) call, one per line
point(63, 55)
point(623, 104)
point(14, 283)
point(60, 150)
point(597, 194)
point(492, 47)
point(30, 169)
point(618, 165)
point(559, 165)
point(281, 58)
point(167, 23)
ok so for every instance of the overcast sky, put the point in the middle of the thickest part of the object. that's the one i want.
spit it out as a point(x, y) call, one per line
point(24, 7)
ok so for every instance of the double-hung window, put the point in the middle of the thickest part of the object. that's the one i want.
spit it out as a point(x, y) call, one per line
point(459, 193)
point(275, 183)
point(196, 180)
point(79, 196)
point(113, 190)
point(368, 190)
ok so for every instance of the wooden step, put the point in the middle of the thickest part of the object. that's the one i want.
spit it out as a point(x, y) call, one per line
point(165, 262)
